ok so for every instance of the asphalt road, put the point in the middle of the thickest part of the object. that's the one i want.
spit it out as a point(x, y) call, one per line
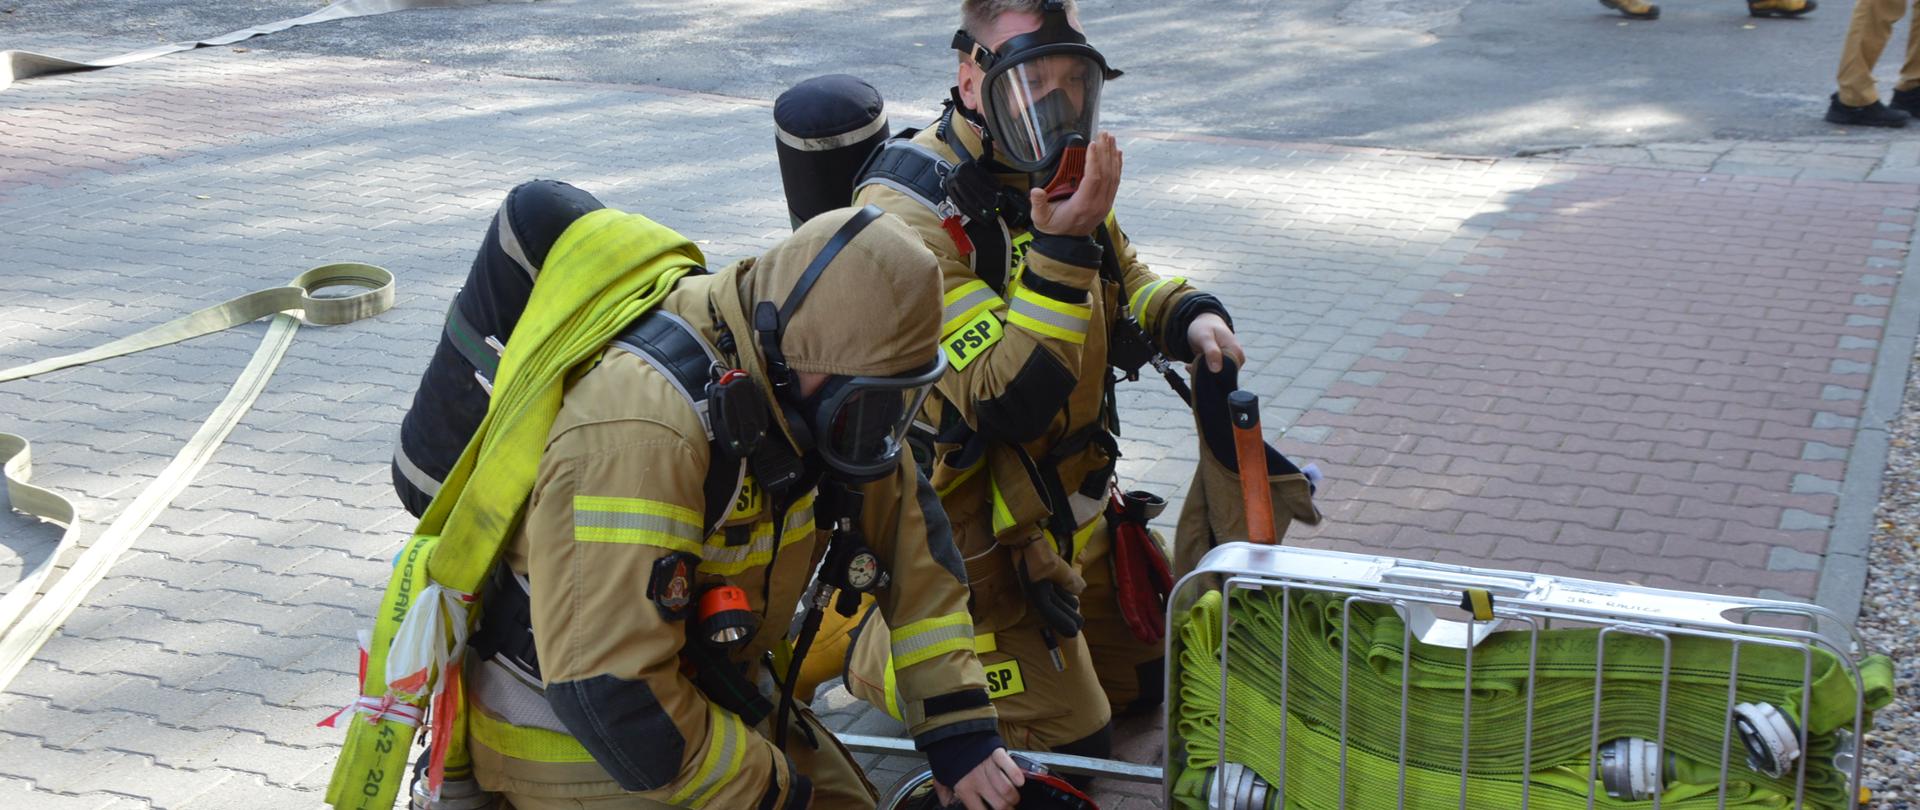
point(1464, 76)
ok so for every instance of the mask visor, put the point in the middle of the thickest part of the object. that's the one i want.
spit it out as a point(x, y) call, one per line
point(861, 425)
point(1036, 106)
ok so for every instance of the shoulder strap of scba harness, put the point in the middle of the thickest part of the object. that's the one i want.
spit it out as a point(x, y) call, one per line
point(672, 346)
point(921, 174)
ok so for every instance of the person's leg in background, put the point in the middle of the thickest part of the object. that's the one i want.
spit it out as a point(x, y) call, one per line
point(1780, 8)
point(1857, 102)
point(1634, 9)
point(1906, 92)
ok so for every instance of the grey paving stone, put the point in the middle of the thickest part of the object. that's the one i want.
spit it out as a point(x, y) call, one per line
point(1800, 520)
point(1781, 558)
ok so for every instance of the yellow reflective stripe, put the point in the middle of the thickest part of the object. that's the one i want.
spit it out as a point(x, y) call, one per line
point(983, 643)
point(726, 749)
point(524, 742)
point(964, 477)
point(636, 521)
point(928, 639)
point(965, 302)
point(1055, 319)
point(1143, 300)
point(718, 558)
point(890, 693)
point(1017, 255)
point(1072, 311)
point(1002, 517)
point(1080, 536)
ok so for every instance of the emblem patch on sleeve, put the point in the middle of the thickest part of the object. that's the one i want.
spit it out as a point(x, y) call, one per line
point(671, 585)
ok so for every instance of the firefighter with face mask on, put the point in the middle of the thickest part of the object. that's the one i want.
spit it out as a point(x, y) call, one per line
point(636, 633)
point(1045, 306)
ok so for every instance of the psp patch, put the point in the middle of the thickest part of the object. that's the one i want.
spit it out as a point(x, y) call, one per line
point(966, 343)
point(751, 500)
point(1003, 680)
point(670, 586)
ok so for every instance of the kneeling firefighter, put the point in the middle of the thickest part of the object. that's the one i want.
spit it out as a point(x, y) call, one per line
point(1046, 306)
point(666, 456)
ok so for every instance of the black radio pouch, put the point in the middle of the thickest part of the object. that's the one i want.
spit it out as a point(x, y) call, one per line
point(738, 413)
point(1128, 347)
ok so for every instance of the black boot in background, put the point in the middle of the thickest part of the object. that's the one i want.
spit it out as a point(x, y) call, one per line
point(1906, 101)
point(1872, 115)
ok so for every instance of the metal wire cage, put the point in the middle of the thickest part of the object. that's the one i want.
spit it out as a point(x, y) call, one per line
point(1311, 679)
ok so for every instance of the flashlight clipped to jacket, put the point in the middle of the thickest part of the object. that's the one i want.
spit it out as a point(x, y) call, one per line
point(726, 619)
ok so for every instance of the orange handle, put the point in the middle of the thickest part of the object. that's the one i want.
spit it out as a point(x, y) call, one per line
point(1250, 452)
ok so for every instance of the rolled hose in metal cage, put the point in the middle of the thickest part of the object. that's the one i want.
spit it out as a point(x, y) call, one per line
point(1563, 710)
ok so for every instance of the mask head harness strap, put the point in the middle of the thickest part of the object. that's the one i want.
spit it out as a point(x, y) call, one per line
point(1055, 30)
point(770, 323)
point(1044, 133)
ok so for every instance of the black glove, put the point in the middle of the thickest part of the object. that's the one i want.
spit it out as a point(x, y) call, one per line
point(1058, 607)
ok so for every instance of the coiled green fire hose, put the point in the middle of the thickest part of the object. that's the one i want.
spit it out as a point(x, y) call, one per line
point(1563, 710)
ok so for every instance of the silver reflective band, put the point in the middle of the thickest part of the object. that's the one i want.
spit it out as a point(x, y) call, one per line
point(729, 742)
point(661, 524)
point(510, 245)
point(1071, 323)
point(831, 141)
point(412, 472)
point(906, 648)
point(957, 309)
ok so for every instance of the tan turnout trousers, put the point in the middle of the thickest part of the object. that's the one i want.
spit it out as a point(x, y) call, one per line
point(1867, 36)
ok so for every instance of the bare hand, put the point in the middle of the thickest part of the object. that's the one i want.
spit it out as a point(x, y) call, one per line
point(1083, 211)
point(1211, 338)
point(991, 785)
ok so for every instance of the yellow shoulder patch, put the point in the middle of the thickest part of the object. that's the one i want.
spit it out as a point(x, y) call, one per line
point(750, 501)
point(964, 344)
point(1003, 680)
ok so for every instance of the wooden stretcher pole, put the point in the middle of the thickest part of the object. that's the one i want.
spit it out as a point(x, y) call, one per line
point(1250, 452)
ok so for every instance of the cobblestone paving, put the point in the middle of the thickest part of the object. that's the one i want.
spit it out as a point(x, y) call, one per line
point(1383, 296)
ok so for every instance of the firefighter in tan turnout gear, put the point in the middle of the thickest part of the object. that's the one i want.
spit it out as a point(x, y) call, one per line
point(1045, 304)
point(636, 633)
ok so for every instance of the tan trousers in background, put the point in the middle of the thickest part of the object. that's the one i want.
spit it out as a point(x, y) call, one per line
point(1867, 36)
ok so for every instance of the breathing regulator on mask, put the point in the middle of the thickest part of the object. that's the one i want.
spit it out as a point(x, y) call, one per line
point(1040, 107)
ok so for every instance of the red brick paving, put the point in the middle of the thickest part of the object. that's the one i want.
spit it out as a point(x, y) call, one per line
point(1622, 382)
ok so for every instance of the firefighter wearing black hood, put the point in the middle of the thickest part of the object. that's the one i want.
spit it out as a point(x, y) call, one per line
point(1045, 304)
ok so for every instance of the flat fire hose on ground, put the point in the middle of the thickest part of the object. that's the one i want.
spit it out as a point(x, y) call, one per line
point(1562, 698)
point(23, 638)
point(17, 65)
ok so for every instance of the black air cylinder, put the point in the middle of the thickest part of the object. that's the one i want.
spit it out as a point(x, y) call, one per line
point(826, 127)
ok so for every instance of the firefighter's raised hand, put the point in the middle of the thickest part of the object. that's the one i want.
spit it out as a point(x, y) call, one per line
point(1081, 213)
